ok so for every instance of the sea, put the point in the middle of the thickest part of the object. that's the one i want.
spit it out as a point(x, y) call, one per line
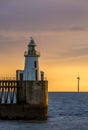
point(66, 111)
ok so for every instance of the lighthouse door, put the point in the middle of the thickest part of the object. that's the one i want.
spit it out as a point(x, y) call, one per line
point(21, 76)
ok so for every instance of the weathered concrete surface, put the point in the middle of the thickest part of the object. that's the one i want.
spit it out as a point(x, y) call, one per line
point(28, 112)
point(33, 92)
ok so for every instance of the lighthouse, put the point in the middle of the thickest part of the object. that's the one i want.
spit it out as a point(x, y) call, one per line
point(31, 67)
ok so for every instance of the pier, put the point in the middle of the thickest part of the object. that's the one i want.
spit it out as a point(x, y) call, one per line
point(23, 99)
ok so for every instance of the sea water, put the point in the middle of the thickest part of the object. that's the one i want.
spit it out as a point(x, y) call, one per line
point(66, 111)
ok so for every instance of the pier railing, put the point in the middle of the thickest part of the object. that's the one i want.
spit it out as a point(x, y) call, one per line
point(8, 91)
point(7, 78)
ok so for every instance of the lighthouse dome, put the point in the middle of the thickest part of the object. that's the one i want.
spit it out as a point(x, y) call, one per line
point(32, 42)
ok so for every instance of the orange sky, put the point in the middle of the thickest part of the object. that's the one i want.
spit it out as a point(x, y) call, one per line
point(61, 58)
point(60, 30)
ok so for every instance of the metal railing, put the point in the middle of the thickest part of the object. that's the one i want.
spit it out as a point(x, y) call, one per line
point(35, 53)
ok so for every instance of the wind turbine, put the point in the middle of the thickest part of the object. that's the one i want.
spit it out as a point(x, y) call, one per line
point(78, 83)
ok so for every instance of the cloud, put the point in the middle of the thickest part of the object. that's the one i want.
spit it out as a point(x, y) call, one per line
point(40, 15)
point(47, 15)
point(73, 28)
point(74, 53)
point(78, 28)
point(11, 42)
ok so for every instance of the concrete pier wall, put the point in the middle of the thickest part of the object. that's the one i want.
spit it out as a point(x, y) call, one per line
point(22, 112)
point(33, 92)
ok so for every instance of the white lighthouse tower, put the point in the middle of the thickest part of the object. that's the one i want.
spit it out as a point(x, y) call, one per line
point(31, 68)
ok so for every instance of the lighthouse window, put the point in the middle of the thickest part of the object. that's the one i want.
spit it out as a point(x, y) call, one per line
point(36, 76)
point(35, 64)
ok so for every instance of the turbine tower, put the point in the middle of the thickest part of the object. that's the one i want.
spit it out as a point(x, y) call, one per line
point(78, 81)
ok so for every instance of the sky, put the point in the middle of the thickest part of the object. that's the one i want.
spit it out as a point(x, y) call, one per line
point(60, 30)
